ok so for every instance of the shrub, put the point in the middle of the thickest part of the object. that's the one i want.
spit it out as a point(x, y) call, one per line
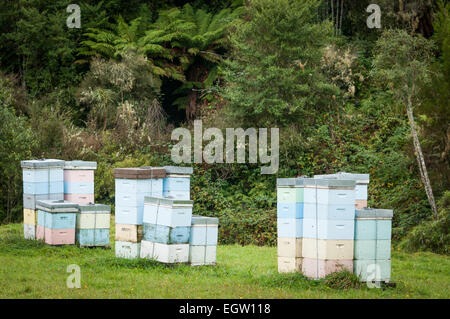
point(342, 280)
point(432, 235)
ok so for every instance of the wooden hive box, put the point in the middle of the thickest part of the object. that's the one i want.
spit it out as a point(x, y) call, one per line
point(328, 228)
point(289, 264)
point(202, 255)
point(289, 247)
point(204, 231)
point(290, 227)
point(128, 250)
point(170, 254)
point(165, 234)
point(129, 233)
point(167, 212)
point(319, 268)
point(327, 249)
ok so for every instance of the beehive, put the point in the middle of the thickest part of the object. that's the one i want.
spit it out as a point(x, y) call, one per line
point(372, 244)
point(176, 184)
point(92, 225)
point(290, 218)
point(167, 226)
point(203, 240)
point(42, 180)
point(126, 249)
point(362, 182)
point(56, 222)
point(79, 181)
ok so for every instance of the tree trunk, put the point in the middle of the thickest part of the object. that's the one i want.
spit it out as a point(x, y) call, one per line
point(420, 159)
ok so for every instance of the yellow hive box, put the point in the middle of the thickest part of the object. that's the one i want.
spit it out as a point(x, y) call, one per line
point(30, 216)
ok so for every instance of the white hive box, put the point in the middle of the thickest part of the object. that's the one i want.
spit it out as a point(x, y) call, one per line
point(29, 231)
point(362, 181)
point(202, 255)
point(170, 254)
point(167, 212)
point(147, 248)
point(129, 250)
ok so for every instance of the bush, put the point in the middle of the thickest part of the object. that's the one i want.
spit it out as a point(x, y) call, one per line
point(342, 280)
point(432, 235)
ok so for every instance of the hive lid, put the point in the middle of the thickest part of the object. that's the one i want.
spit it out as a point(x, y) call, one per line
point(358, 178)
point(312, 182)
point(374, 213)
point(179, 170)
point(80, 165)
point(146, 172)
point(91, 207)
point(167, 201)
point(57, 206)
point(204, 220)
point(42, 163)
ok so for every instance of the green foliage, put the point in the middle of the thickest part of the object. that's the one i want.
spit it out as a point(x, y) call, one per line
point(432, 235)
point(16, 142)
point(342, 280)
point(273, 76)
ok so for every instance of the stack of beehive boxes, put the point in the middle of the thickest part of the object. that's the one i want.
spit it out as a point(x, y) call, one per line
point(79, 181)
point(132, 185)
point(362, 182)
point(290, 224)
point(56, 222)
point(167, 224)
point(328, 229)
point(42, 180)
point(315, 225)
point(373, 244)
point(203, 240)
point(92, 225)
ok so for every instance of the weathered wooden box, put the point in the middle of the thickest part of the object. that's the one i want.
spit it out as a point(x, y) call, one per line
point(42, 188)
point(126, 249)
point(132, 215)
point(56, 220)
point(93, 216)
point(82, 199)
point(327, 248)
point(78, 187)
point(371, 223)
point(64, 236)
point(30, 216)
point(289, 247)
point(289, 264)
point(173, 182)
point(129, 233)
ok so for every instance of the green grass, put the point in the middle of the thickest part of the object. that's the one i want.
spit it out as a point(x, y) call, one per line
point(31, 269)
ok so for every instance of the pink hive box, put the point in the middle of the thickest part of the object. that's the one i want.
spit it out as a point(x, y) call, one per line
point(56, 236)
point(319, 268)
point(78, 175)
point(82, 199)
point(40, 232)
point(360, 203)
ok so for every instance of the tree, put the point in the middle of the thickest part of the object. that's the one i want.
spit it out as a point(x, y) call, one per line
point(273, 75)
point(402, 64)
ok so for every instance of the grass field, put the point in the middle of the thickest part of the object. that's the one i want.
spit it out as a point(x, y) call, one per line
point(31, 269)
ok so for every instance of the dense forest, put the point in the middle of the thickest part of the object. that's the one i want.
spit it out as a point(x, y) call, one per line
point(344, 96)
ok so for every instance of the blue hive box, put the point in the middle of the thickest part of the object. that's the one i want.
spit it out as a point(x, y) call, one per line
point(328, 229)
point(92, 237)
point(373, 223)
point(78, 188)
point(321, 211)
point(165, 234)
point(57, 214)
point(204, 231)
point(290, 227)
point(42, 188)
point(290, 210)
point(372, 249)
point(132, 215)
point(174, 183)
